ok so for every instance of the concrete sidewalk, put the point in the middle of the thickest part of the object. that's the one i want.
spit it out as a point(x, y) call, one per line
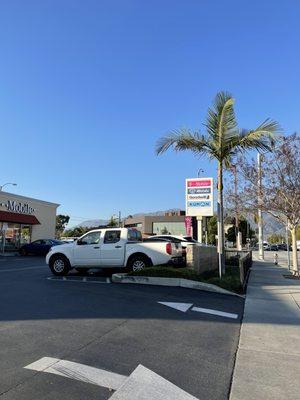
point(268, 358)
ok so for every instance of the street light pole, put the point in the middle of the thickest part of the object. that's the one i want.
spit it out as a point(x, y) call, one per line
point(5, 184)
point(260, 219)
point(200, 170)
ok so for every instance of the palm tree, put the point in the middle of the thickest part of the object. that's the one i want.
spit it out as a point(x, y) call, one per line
point(112, 223)
point(223, 139)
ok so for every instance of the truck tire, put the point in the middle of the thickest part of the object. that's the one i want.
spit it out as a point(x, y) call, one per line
point(59, 265)
point(138, 263)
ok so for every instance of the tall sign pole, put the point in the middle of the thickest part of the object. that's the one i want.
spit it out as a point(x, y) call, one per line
point(199, 200)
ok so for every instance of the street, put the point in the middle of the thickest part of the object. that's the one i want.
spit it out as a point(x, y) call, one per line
point(111, 327)
point(282, 256)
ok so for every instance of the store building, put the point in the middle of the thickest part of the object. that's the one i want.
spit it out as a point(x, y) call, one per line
point(23, 220)
point(170, 223)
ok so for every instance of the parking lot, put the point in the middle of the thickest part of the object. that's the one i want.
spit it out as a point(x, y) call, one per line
point(114, 328)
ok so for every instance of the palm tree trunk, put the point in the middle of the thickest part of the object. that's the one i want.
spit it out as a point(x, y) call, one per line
point(221, 249)
point(294, 248)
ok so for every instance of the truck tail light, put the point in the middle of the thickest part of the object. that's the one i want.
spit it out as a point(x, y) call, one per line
point(169, 248)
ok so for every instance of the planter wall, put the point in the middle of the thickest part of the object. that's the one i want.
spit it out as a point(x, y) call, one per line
point(201, 258)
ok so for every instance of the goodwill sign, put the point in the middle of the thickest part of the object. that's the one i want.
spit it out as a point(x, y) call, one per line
point(199, 197)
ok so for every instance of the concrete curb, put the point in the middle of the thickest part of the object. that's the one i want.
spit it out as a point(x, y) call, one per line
point(185, 283)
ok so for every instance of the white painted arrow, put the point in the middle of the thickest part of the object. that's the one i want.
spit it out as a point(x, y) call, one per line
point(177, 306)
point(141, 384)
point(215, 312)
point(77, 371)
point(184, 307)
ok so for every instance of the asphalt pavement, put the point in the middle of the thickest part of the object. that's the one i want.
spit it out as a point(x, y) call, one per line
point(86, 320)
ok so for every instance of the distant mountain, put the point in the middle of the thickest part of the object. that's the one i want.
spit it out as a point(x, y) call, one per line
point(92, 223)
point(156, 213)
point(271, 225)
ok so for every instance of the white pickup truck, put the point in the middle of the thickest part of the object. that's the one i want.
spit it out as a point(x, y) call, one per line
point(110, 248)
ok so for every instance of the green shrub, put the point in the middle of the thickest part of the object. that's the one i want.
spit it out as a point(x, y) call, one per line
point(229, 281)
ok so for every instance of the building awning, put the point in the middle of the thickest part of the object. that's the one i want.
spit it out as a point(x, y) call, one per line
point(24, 219)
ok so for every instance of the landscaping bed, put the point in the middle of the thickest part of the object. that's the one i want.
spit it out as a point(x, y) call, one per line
point(230, 281)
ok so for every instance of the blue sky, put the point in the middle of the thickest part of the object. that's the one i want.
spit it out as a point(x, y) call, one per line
point(87, 88)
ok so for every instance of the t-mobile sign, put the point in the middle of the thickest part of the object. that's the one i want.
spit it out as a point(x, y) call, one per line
point(199, 197)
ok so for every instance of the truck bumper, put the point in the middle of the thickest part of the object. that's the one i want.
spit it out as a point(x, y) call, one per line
point(176, 261)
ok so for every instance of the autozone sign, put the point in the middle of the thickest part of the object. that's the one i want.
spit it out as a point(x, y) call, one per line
point(199, 197)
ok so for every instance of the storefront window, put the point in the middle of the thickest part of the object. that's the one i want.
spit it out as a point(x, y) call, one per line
point(25, 234)
point(13, 236)
point(171, 228)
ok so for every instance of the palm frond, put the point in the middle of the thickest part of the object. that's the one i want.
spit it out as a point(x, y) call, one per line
point(183, 139)
point(262, 138)
point(221, 117)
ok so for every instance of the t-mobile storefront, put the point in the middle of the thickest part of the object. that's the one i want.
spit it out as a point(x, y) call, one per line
point(23, 220)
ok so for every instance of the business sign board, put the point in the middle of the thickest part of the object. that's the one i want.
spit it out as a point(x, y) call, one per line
point(13, 206)
point(199, 197)
point(188, 226)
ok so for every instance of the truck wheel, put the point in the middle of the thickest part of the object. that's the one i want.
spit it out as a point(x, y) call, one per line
point(138, 263)
point(59, 265)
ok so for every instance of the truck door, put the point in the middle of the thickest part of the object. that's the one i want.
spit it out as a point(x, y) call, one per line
point(112, 249)
point(87, 250)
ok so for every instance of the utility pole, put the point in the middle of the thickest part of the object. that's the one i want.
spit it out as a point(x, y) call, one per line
point(237, 236)
point(260, 219)
point(119, 219)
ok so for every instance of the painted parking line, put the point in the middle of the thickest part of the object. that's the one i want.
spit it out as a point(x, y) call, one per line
point(80, 280)
point(184, 307)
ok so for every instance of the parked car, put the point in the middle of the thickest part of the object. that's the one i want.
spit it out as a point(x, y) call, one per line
point(183, 240)
point(110, 248)
point(39, 247)
point(283, 246)
point(272, 247)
